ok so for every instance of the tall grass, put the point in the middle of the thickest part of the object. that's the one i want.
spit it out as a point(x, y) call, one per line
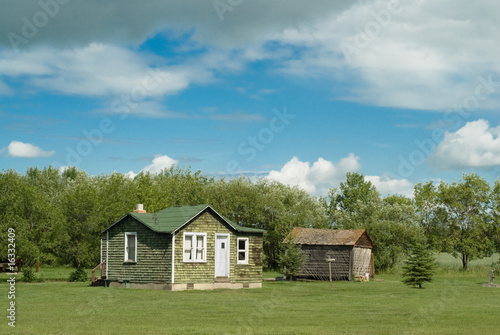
point(448, 265)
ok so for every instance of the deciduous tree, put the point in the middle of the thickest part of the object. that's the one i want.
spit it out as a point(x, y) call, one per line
point(467, 213)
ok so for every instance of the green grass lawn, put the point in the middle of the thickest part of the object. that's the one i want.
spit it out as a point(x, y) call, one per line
point(452, 304)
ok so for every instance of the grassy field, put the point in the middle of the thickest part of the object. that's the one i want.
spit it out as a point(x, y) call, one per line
point(455, 304)
point(446, 261)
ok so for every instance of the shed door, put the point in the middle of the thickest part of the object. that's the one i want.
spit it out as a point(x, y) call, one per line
point(221, 255)
point(362, 258)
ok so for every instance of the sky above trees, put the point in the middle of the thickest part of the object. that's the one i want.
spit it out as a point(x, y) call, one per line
point(301, 92)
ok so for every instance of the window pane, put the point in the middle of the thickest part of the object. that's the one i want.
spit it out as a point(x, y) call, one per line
point(200, 241)
point(241, 244)
point(131, 241)
point(241, 255)
point(199, 248)
point(131, 247)
point(187, 247)
point(131, 254)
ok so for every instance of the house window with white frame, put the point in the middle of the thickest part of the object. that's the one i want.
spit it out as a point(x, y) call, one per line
point(131, 247)
point(195, 247)
point(242, 250)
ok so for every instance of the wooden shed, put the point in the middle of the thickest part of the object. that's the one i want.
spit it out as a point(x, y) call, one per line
point(351, 249)
point(182, 247)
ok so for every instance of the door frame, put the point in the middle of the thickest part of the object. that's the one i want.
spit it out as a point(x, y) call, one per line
point(228, 239)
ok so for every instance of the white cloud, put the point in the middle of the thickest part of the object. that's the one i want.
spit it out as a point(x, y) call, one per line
point(386, 185)
point(144, 109)
point(428, 48)
point(26, 150)
point(63, 168)
point(130, 174)
point(100, 70)
point(474, 145)
point(322, 175)
point(317, 178)
point(160, 162)
point(415, 55)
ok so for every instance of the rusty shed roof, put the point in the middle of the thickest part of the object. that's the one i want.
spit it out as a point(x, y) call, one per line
point(326, 236)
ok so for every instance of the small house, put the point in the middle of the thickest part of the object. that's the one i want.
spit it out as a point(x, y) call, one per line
point(179, 248)
point(349, 251)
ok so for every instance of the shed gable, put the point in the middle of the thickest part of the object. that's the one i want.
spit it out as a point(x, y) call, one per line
point(309, 236)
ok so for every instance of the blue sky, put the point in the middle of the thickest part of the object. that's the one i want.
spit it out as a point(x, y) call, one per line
point(296, 91)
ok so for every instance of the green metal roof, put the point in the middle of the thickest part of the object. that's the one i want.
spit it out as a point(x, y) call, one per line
point(171, 219)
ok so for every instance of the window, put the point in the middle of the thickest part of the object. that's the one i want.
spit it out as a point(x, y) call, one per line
point(195, 247)
point(242, 252)
point(130, 247)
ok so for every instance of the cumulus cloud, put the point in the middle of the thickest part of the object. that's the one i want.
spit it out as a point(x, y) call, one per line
point(408, 55)
point(160, 162)
point(317, 178)
point(472, 146)
point(386, 185)
point(26, 150)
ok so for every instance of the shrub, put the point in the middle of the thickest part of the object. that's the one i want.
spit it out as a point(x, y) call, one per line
point(78, 275)
point(292, 259)
point(28, 275)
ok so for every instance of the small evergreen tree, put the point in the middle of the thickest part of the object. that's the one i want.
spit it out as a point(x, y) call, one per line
point(420, 265)
point(292, 259)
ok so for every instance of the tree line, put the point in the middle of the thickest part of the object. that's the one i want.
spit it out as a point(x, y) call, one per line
point(58, 217)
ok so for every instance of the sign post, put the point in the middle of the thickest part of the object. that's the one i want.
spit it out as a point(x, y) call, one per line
point(330, 260)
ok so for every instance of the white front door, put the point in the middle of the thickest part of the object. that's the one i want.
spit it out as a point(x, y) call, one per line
point(221, 255)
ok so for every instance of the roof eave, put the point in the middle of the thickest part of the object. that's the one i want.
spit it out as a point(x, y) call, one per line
point(133, 216)
point(259, 231)
point(189, 221)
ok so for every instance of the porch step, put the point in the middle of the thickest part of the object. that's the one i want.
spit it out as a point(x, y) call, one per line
point(99, 282)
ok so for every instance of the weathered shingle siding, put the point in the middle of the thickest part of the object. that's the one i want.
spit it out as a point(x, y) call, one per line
point(361, 261)
point(364, 241)
point(251, 272)
point(205, 272)
point(317, 267)
point(154, 260)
